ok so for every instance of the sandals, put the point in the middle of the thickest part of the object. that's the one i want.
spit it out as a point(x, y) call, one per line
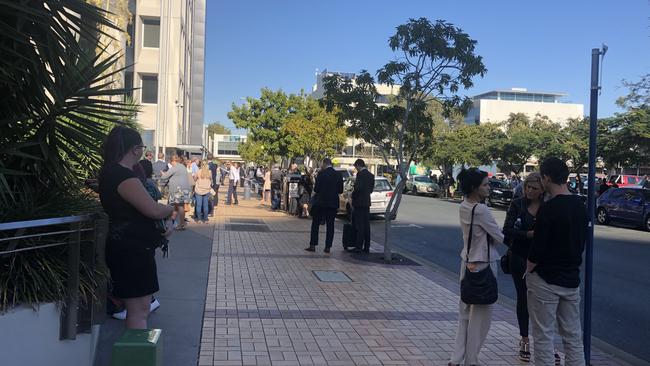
point(524, 351)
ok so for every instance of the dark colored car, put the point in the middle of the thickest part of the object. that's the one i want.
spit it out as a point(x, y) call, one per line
point(500, 193)
point(630, 205)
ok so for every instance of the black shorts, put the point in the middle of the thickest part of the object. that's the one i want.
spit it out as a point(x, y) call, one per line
point(133, 269)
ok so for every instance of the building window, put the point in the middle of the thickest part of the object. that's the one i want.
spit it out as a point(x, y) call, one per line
point(150, 33)
point(149, 89)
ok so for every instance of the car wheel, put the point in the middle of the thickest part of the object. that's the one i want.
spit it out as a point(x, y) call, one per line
point(647, 223)
point(602, 216)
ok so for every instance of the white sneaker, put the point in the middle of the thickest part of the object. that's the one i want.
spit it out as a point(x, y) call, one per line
point(120, 316)
point(155, 304)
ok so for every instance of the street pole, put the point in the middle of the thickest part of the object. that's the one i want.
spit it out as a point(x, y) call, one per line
point(591, 198)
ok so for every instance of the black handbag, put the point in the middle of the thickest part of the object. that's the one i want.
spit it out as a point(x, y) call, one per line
point(478, 288)
point(505, 263)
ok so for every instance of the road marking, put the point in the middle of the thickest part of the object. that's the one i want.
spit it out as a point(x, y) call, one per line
point(409, 225)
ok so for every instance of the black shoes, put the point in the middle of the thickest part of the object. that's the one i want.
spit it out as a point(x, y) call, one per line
point(327, 250)
point(311, 248)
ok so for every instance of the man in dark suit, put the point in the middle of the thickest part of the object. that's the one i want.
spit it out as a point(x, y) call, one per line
point(329, 184)
point(364, 184)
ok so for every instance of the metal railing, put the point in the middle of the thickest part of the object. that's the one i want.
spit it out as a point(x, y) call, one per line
point(84, 238)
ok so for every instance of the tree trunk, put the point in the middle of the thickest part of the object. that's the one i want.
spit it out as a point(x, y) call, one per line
point(391, 210)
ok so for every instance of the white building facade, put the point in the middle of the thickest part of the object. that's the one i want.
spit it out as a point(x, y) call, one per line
point(167, 54)
point(497, 105)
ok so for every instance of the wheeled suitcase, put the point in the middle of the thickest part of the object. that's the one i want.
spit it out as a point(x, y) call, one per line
point(349, 236)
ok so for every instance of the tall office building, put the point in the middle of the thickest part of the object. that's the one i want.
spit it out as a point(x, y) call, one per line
point(167, 53)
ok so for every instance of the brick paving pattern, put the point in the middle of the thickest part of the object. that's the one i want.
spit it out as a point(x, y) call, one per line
point(265, 306)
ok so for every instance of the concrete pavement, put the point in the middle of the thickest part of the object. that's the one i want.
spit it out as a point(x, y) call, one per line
point(265, 306)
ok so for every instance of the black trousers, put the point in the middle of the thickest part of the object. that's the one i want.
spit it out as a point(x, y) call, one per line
point(317, 215)
point(361, 222)
point(518, 267)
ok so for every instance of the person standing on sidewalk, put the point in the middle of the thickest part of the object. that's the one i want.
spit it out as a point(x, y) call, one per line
point(202, 193)
point(553, 268)
point(364, 184)
point(474, 320)
point(325, 203)
point(518, 231)
point(233, 176)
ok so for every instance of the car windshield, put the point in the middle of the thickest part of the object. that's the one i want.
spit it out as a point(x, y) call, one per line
point(632, 180)
point(498, 184)
point(382, 185)
point(422, 179)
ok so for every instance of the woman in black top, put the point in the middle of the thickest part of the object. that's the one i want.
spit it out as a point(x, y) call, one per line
point(132, 236)
point(518, 231)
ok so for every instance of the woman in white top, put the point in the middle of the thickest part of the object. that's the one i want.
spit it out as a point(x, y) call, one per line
point(202, 192)
point(474, 320)
point(267, 186)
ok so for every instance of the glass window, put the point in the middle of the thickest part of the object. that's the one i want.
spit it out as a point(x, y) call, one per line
point(382, 185)
point(150, 33)
point(549, 99)
point(508, 96)
point(149, 89)
point(632, 180)
point(616, 193)
point(422, 179)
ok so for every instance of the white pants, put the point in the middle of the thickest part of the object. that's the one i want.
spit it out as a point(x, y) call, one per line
point(473, 326)
point(546, 304)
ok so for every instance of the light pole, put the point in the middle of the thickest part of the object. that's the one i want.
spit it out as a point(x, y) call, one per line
point(591, 197)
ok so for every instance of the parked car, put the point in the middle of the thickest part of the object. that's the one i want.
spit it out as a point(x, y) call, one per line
point(500, 193)
point(345, 173)
point(630, 205)
point(379, 198)
point(624, 180)
point(421, 184)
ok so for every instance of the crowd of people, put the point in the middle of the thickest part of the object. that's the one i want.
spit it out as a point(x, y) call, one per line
point(544, 231)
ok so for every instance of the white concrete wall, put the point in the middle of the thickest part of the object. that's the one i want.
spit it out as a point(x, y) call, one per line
point(492, 111)
point(31, 338)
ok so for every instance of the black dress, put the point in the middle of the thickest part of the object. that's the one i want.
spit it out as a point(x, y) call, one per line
point(132, 239)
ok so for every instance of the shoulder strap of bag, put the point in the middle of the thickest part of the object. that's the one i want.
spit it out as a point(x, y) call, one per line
point(469, 239)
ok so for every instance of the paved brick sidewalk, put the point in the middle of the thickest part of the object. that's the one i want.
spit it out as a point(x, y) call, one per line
point(264, 305)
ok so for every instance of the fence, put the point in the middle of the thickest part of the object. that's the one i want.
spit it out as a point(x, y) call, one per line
point(84, 239)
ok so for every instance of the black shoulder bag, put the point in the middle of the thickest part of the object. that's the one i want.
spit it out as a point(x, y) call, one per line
point(505, 259)
point(478, 288)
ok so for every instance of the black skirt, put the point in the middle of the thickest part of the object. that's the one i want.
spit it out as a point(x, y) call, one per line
point(133, 268)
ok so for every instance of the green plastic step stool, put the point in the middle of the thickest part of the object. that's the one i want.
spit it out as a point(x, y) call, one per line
point(138, 347)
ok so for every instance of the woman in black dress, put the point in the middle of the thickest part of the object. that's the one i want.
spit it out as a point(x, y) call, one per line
point(132, 235)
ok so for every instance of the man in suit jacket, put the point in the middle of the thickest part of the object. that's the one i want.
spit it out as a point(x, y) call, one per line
point(329, 184)
point(364, 184)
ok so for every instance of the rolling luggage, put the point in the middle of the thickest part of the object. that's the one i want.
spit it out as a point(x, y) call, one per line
point(349, 236)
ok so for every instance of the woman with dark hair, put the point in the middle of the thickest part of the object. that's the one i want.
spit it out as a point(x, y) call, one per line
point(474, 320)
point(132, 236)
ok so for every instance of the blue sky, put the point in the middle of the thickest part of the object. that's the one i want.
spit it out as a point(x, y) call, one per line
point(542, 45)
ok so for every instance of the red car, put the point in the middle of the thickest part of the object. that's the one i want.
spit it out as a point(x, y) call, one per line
point(624, 180)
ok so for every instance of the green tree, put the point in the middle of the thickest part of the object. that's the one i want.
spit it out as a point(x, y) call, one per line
point(433, 61)
point(624, 140)
point(517, 145)
point(264, 118)
point(314, 132)
point(639, 94)
point(217, 128)
point(577, 142)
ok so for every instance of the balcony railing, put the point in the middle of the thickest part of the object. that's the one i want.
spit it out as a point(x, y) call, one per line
point(84, 240)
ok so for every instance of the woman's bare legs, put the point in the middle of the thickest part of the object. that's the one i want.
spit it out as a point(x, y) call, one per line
point(180, 208)
point(137, 312)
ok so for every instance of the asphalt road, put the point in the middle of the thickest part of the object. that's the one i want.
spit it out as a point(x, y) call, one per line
point(621, 290)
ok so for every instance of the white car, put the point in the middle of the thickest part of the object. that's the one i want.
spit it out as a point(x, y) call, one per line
point(379, 197)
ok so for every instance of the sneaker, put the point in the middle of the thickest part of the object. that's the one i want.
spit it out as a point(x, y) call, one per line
point(524, 351)
point(120, 315)
point(311, 248)
point(155, 304)
point(327, 250)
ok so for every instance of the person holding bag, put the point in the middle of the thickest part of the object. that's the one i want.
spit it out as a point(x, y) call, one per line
point(478, 267)
point(518, 231)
